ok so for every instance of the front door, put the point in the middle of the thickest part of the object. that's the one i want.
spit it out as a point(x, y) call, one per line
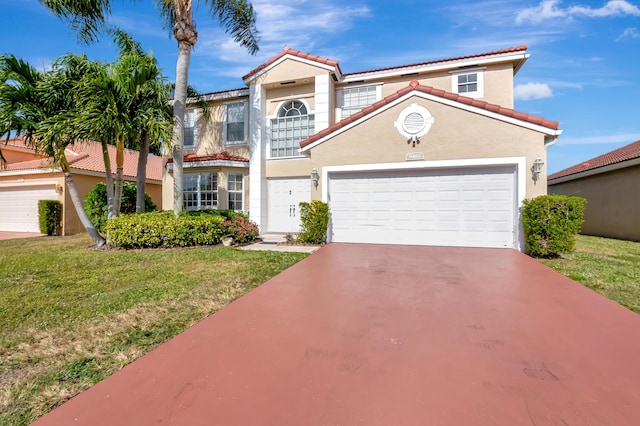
point(284, 198)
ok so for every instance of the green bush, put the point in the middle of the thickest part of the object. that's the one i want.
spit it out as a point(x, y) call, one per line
point(49, 216)
point(551, 223)
point(241, 230)
point(95, 203)
point(163, 229)
point(314, 218)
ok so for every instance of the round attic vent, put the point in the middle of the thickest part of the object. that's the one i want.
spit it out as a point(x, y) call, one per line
point(414, 121)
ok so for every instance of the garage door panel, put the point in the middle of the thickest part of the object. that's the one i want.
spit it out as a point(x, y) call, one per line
point(458, 206)
point(19, 207)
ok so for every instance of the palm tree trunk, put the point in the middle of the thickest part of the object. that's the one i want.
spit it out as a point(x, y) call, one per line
point(141, 177)
point(77, 203)
point(119, 173)
point(186, 35)
point(111, 211)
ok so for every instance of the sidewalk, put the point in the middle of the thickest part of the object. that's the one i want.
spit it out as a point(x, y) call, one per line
point(275, 242)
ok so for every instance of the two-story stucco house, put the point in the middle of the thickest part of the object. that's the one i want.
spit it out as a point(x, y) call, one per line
point(430, 153)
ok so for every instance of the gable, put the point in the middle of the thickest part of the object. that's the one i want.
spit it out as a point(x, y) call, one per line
point(290, 69)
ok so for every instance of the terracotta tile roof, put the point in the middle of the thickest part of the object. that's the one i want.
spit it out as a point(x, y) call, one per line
point(416, 86)
point(18, 142)
point(521, 48)
point(626, 153)
point(221, 156)
point(299, 54)
point(88, 156)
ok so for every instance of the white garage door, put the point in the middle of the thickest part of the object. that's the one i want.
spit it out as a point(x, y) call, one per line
point(472, 207)
point(19, 207)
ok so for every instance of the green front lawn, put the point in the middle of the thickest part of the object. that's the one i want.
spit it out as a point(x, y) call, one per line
point(609, 267)
point(71, 316)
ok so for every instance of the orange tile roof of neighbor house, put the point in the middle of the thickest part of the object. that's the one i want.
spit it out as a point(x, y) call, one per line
point(87, 156)
point(626, 153)
point(416, 86)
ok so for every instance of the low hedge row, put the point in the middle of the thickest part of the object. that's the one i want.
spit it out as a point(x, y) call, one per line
point(49, 216)
point(163, 229)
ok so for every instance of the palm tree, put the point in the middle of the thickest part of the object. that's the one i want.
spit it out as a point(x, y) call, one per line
point(40, 106)
point(236, 16)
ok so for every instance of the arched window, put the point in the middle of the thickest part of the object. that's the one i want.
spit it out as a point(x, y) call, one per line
point(292, 125)
point(291, 109)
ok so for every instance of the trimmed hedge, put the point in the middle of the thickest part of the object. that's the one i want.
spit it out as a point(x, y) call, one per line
point(95, 203)
point(314, 218)
point(49, 216)
point(551, 223)
point(163, 229)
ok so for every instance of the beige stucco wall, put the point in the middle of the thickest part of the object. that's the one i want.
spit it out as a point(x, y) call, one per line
point(274, 97)
point(456, 134)
point(498, 83)
point(289, 70)
point(84, 183)
point(613, 209)
point(209, 138)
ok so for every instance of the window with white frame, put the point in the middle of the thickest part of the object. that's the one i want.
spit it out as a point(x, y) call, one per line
point(200, 191)
point(235, 191)
point(292, 125)
point(190, 128)
point(353, 99)
point(235, 123)
point(468, 83)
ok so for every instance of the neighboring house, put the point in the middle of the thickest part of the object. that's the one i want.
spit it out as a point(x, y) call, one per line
point(28, 177)
point(430, 153)
point(610, 184)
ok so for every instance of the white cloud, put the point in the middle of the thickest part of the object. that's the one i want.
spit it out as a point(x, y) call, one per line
point(629, 33)
point(528, 91)
point(600, 139)
point(550, 9)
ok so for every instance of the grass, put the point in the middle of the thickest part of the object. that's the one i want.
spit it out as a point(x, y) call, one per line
point(71, 316)
point(609, 267)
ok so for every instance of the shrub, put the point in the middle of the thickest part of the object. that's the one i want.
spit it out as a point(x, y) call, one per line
point(95, 203)
point(241, 229)
point(551, 223)
point(163, 229)
point(49, 216)
point(314, 218)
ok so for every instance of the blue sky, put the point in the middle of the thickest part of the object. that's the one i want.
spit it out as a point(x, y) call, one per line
point(584, 69)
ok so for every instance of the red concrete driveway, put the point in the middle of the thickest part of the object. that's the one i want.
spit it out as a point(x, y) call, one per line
point(389, 335)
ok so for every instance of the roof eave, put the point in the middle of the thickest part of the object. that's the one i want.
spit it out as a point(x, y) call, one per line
point(595, 171)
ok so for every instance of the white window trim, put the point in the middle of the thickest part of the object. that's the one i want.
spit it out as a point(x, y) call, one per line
point(246, 123)
point(478, 71)
point(268, 130)
point(196, 114)
point(199, 192)
point(235, 192)
point(340, 91)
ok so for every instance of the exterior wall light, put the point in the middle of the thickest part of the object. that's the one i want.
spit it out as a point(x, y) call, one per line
point(536, 169)
point(58, 188)
point(315, 177)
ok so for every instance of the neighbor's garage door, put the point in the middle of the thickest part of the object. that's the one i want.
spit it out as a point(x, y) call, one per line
point(19, 207)
point(452, 207)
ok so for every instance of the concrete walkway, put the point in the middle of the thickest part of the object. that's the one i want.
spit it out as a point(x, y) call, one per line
point(389, 335)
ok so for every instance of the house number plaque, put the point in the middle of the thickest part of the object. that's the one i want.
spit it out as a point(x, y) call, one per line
point(413, 156)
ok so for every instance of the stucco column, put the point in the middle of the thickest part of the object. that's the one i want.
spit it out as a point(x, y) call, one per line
point(257, 157)
point(323, 102)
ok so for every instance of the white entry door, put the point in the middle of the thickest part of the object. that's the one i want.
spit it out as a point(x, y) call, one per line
point(19, 207)
point(472, 206)
point(284, 197)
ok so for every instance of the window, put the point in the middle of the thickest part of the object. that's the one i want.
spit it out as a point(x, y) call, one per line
point(353, 99)
point(235, 123)
point(468, 83)
point(292, 125)
point(200, 191)
point(190, 128)
point(235, 191)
